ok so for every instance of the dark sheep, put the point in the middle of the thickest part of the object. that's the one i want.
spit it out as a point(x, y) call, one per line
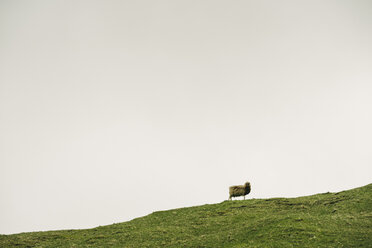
point(239, 190)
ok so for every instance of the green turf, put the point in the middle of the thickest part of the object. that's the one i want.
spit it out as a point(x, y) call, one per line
point(341, 219)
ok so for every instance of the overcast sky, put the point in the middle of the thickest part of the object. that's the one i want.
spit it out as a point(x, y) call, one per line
point(110, 110)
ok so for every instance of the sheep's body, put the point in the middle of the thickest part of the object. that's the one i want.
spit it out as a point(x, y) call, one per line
point(239, 190)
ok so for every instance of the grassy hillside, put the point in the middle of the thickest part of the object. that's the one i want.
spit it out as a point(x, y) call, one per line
point(341, 219)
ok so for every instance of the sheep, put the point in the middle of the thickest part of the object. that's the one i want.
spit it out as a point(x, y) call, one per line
point(239, 190)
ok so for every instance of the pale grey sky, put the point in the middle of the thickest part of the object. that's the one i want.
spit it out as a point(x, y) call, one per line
point(110, 110)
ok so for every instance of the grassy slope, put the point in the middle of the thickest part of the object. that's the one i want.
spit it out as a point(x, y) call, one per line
point(341, 219)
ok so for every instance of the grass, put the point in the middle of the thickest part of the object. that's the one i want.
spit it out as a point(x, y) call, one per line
point(341, 219)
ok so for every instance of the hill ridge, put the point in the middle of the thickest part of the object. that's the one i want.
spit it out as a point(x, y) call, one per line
point(341, 219)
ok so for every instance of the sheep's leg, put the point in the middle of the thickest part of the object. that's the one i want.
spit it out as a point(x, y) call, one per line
point(244, 197)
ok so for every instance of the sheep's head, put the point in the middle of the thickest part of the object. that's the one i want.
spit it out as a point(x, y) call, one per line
point(247, 184)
